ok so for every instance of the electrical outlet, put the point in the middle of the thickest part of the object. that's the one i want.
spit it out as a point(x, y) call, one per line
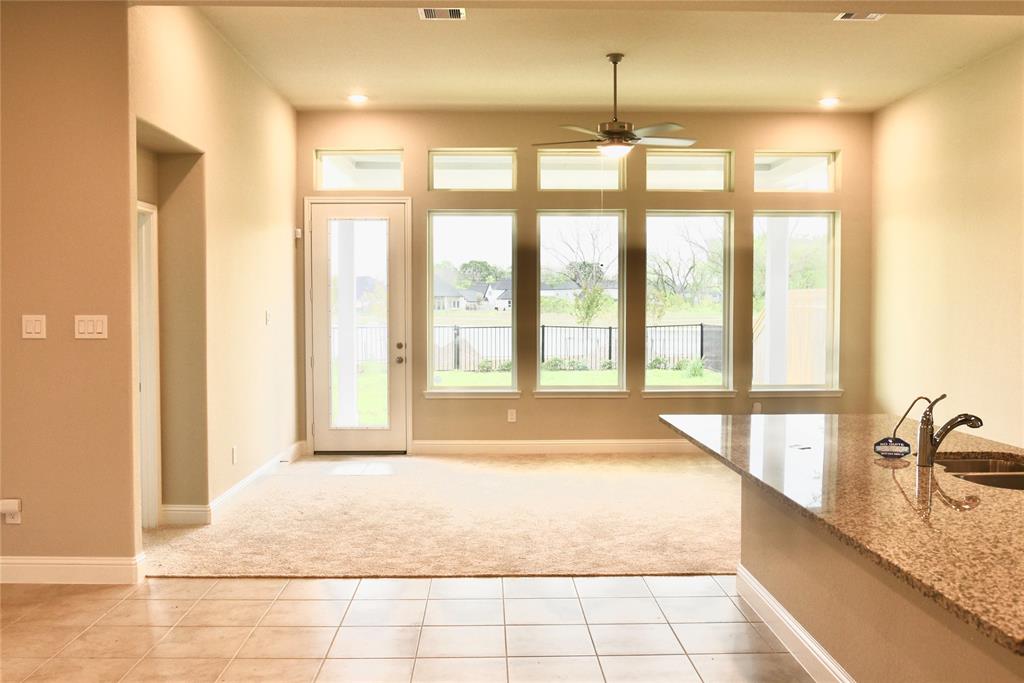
point(756, 408)
point(266, 317)
point(33, 327)
point(11, 508)
point(512, 415)
point(234, 455)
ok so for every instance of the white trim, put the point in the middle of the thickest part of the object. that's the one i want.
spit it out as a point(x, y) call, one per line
point(17, 569)
point(185, 515)
point(542, 446)
point(821, 666)
point(688, 393)
point(470, 394)
point(796, 392)
point(581, 393)
point(147, 338)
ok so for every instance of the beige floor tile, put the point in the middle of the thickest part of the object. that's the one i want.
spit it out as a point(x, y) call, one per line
point(546, 669)
point(548, 641)
point(683, 586)
point(172, 589)
point(26, 593)
point(539, 587)
point(288, 642)
point(543, 611)
point(769, 637)
point(271, 670)
point(68, 612)
point(319, 589)
point(366, 671)
point(700, 610)
point(463, 613)
point(635, 639)
point(226, 613)
point(720, 638)
point(201, 642)
point(746, 609)
point(17, 668)
point(385, 613)
point(375, 642)
point(467, 670)
point(115, 641)
point(649, 669)
point(774, 668)
point(611, 587)
point(622, 611)
point(83, 670)
point(192, 670)
point(305, 613)
point(146, 613)
point(246, 589)
point(101, 591)
point(462, 641)
point(393, 589)
point(728, 583)
point(464, 589)
point(9, 614)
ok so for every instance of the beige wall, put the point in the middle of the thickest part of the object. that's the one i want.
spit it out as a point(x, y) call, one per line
point(949, 246)
point(68, 224)
point(147, 176)
point(633, 417)
point(187, 81)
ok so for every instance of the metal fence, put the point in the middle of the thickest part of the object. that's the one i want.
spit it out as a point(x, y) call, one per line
point(465, 348)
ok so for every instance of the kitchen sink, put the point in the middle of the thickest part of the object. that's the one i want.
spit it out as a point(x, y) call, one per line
point(959, 465)
point(1002, 480)
point(999, 472)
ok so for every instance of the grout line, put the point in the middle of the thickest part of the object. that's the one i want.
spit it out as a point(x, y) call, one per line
point(419, 635)
point(245, 640)
point(674, 634)
point(337, 631)
point(586, 623)
point(504, 626)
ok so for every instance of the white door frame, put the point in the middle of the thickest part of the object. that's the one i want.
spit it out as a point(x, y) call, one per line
point(148, 423)
point(406, 202)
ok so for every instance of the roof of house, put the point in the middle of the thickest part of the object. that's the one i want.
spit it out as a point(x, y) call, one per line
point(442, 288)
point(471, 295)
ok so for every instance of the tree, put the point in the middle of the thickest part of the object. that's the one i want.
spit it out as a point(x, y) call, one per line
point(583, 256)
point(472, 272)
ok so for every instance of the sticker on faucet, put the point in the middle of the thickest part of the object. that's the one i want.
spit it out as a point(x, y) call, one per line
point(892, 447)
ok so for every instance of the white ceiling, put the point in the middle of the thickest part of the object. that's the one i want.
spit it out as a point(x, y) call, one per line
point(554, 58)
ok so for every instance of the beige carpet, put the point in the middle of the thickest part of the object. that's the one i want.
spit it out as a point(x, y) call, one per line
point(464, 516)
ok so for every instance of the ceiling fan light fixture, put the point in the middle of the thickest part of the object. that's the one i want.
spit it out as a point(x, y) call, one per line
point(830, 102)
point(614, 149)
point(357, 98)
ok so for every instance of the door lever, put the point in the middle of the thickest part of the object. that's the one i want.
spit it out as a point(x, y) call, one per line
point(399, 360)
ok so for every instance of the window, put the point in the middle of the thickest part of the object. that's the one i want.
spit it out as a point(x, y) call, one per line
point(693, 170)
point(688, 298)
point(794, 172)
point(473, 169)
point(472, 345)
point(794, 300)
point(579, 169)
point(580, 300)
point(359, 170)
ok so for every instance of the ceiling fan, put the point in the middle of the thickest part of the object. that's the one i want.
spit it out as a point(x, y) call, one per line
point(616, 138)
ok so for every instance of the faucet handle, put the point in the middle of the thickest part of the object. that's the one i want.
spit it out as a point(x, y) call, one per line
point(927, 414)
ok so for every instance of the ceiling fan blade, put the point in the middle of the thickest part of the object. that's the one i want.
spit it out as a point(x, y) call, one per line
point(580, 129)
point(656, 128)
point(567, 142)
point(667, 142)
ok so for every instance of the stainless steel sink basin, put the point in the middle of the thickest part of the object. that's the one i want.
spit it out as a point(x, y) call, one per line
point(958, 465)
point(1003, 480)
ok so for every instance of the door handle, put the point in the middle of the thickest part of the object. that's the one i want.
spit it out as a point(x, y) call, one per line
point(399, 345)
point(399, 360)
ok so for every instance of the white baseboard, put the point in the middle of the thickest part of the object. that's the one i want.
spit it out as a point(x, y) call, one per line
point(196, 515)
point(534, 446)
point(809, 652)
point(72, 569)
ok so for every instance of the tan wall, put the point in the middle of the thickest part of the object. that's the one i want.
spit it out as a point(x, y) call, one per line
point(949, 247)
point(68, 222)
point(634, 417)
point(187, 81)
point(147, 176)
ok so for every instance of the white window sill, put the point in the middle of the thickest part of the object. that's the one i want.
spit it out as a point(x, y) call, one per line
point(795, 392)
point(688, 393)
point(471, 393)
point(570, 392)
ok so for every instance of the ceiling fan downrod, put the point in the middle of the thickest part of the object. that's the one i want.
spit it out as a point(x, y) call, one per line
point(615, 58)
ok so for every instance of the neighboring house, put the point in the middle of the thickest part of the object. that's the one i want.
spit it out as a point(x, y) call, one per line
point(504, 301)
point(569, 290)
point(499, 294)
point(447, 297)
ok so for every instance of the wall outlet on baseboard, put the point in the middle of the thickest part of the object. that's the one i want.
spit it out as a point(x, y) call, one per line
point(234, 455)
point(512, 417)
point(11, 508)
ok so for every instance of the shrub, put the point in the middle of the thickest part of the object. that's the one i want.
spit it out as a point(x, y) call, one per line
point(607, 364)
point(505, 366)
point(657, 363)
point(564, 364)
point(696, 368)
point(485, 366)
point(682, 365)
point(572, 364)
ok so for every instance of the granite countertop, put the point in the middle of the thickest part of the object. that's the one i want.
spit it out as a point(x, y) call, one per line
point(970, 561)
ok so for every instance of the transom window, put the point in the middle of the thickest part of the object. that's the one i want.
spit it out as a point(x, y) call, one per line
point(689, 170)
point(794, 172)
point(473, 169)
point(359, 170)
point(579, 169)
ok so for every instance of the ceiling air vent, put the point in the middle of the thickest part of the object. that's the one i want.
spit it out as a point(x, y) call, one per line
point(859, 16)
point(443, 13)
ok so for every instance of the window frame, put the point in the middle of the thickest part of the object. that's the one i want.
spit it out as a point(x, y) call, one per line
point(467, 152)
point(542, 152)
point(621, 388)
point(833, 170)
point(728, 258)
point(435, 391)
point(729, 167)
point(832, 386)
point(318, 168)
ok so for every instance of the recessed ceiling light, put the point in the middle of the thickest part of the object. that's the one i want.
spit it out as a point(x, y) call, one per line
point(829, 102)
point(358, 99)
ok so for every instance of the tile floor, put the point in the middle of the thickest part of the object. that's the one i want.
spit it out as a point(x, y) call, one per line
point(512, 630)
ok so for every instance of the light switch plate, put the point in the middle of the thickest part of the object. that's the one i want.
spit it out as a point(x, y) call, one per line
point(90, 327)
point(33, 327)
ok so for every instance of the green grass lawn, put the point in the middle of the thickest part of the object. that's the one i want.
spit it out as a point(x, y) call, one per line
point(572, 378)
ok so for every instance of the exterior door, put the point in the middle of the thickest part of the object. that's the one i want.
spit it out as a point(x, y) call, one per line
point(357, 296)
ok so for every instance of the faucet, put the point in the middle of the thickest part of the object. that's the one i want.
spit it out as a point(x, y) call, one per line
point(928, 440)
